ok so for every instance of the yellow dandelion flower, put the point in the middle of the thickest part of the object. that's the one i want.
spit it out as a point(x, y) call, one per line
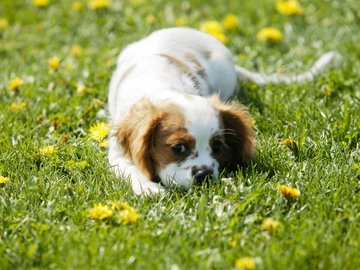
point(151, 19)
point(99, 131)
point(100, 212)
point(233, 243)
point(77, 51)
point(181, 21)
point(17, 106)
point(48, 151)
point(4, 23)
point(269, 34)
point(215, 29)
point(289, 7)
point(15, 83)
point(246, 263)
point(39, 118)
point(54, 62)
point(98, 4)
point(125, 213)
point(4, 180)
point(125, 206)
point(290, 143)
point(220, 36)
point(104, 144)
point(211, 26)
point(270, 224)
point(328, 90)
point(115, 205)
point(127, 216)
point(230, 21)
point(289, 192)
point(41, 3)
point(77, 5)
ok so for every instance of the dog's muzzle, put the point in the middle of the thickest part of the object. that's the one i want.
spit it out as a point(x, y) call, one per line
point(201, 174)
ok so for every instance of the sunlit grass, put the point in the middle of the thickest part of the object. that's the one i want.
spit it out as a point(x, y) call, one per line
point(56, 61)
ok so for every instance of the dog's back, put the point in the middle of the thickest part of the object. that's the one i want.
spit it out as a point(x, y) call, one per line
point(169, 61)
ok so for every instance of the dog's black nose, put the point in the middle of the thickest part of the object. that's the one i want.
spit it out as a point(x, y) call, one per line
point(200, 174)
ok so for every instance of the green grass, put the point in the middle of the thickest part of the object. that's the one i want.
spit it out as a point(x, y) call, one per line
point(44, 220)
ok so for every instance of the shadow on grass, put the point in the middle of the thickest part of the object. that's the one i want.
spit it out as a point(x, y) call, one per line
point(248, 94)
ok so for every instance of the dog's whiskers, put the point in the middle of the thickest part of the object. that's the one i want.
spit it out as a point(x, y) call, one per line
point(228, 132)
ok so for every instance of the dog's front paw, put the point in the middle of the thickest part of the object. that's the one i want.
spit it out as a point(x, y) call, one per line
point(146, 187)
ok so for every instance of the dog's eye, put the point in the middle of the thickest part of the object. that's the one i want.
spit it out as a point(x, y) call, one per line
point(217, 146)
point(179, 148)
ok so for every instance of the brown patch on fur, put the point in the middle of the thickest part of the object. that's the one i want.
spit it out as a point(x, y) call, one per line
point(238, 133)
point(200, 70)
point(147, 133)
point(134, 135)
point(206, 54)
point(182, 67)
point(169, 133)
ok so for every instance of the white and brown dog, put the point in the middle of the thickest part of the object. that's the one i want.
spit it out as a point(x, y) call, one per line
point(170, 126)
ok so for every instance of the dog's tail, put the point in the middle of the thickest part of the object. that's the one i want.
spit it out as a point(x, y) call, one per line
point(261, 79)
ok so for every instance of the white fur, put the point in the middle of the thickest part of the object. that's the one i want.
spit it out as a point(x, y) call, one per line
point(151, 76)
point(154, 78)
point(202, 121)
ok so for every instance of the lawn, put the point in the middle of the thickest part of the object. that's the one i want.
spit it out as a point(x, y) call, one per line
point(56, 62)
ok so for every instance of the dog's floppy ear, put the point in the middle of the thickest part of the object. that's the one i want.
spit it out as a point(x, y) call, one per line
point(239, 134)
point(135, 135)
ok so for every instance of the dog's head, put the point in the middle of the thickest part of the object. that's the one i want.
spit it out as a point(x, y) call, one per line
point(184, 142)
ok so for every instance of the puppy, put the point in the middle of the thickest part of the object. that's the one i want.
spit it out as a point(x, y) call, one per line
point(170, 124)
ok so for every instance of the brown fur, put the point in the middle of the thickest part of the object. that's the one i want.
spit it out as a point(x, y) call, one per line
point(238, 133)
point(170, 132)
point(133, 135)
point(147, 133)
point(200, 70)
point(182, 67)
